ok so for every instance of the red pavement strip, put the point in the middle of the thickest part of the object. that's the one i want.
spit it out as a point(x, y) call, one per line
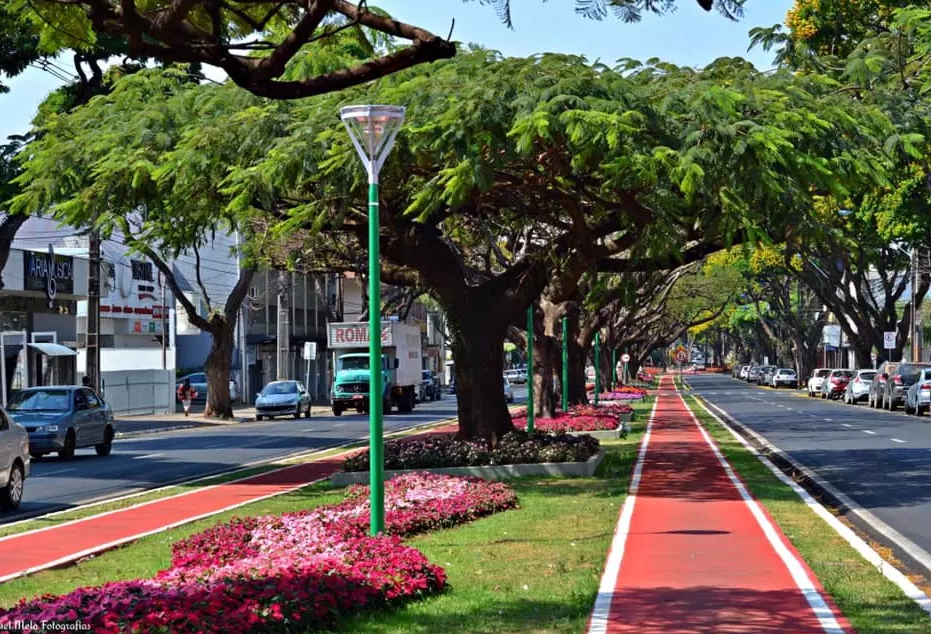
point(695, 553)
point(43, 548)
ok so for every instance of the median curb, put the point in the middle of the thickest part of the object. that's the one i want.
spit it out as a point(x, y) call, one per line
point(915, 558)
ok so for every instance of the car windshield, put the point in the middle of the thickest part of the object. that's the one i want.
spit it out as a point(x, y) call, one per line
point(279, 388)
point(787, 372)
point(354, 363)
point(867, 376)
point(822, 373)
point(844, 373)
point(41, 401)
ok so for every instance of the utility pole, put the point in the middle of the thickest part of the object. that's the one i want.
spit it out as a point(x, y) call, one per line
point(92, 337)
point(284, 327)
point(916, 328)
point(162, 309)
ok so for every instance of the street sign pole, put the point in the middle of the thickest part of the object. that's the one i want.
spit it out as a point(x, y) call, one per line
point(613, 370)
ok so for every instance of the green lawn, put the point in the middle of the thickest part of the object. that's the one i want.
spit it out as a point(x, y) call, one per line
point(872, 603)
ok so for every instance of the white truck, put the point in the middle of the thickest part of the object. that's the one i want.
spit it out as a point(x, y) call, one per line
point(402, 362)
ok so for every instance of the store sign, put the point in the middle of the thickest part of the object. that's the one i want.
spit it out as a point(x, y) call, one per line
point(48, 273)
point(133, 292)
point(357, 335)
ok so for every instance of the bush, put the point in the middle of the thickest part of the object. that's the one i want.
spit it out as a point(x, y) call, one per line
point(439, 451)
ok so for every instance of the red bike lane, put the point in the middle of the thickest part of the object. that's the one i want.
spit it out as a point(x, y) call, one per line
point(694, 553)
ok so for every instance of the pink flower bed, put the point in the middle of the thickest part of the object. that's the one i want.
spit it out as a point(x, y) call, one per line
point(294, 572)
point(579, 418)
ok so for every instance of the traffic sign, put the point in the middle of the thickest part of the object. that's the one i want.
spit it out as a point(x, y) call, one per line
point(310, 350)
point(682, 356)
point(889, 340)
point(625, 357)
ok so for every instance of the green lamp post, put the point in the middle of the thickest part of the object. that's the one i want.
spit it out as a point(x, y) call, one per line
point(373, 130)
point(530, 407)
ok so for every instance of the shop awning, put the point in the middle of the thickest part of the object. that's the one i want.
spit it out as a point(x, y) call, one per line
point(53, 349)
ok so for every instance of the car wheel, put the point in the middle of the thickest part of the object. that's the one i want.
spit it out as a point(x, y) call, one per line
point(919, 411)
point(297, 412)
point(70, 445)
point(307, 413)
point(104, 448)
point(337, 411)
point(12, 494)
point(259, 417)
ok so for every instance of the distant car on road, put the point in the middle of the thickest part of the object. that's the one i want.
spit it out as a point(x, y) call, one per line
point(282, 398)
point(753, 374)
point(766, 374)
point(878, 384)
point(198, 382)
point(784, 377)
point(835, 383)
point(14, 461)
point(859, 387)
point(508, 391)
point(817, 380)
point(429, 389)
point(516, 376)
point(62, 418)
point(918, 395)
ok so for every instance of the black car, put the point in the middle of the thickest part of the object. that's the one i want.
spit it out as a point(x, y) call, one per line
point(898, 383)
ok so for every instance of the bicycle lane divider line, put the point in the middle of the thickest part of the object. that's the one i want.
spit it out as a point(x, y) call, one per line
point(684, 546)
point(26, 553)
point(807, 582)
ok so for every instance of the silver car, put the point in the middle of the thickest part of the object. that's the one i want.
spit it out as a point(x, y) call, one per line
point(62, 418)
point(508, 391)
point(859, 387)
point(282, 398)
point(918, 395)
point(784, 377)
point(14, 461)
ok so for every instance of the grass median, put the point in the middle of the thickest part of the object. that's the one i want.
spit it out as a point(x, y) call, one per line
point(872, 603)
point(533, 569)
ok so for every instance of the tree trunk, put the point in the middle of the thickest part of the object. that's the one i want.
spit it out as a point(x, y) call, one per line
point(478, 348)
point(577, 361)
point(218, 365)
point(544, 364)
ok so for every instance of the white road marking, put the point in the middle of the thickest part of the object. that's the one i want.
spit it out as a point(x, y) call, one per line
point(896, 440)
point(847, 425)
point(213, 446)
point(56, 472)
point(867, 431)
point(148, 455)
point(828, 419)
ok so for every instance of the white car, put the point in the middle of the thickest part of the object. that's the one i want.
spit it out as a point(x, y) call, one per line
point(817, 380)
point(508, 391)
point(784, 377)
point(859, 388)
point(14, 461)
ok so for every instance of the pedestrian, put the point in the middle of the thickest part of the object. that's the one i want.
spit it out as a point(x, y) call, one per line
point(186, 394)
point(86, 381)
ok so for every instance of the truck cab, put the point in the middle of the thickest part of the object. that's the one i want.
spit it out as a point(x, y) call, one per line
point(400, 366)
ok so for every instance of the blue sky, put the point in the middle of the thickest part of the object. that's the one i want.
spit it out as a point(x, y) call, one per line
point(688, 36)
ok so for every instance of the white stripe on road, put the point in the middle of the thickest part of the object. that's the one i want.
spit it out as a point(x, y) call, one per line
point(148, 455)
point(896, 440)
point(213, 446)
point(57, 471)
point(867, 431)
point(847, 425)
point(828, 419)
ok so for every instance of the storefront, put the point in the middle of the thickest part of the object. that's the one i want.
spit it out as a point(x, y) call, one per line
point(38, 309)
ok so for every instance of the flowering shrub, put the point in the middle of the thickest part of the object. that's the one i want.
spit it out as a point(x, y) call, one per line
point(442, 450)
point(579, 418)
point(624, 393)
point(296, 572)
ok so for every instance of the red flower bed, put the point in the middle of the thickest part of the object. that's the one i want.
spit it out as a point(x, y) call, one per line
point(578, 418)
point(296, 572)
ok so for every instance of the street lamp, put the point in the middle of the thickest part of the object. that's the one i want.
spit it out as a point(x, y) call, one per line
point(373, 130)
point(916, 331)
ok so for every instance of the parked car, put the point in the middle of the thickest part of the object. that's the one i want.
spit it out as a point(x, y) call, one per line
point(62, 418)
point(516, 376)
point(784, 377)
point(899, 381)
point(508, 391)
point(282, 398)
point(878, 385)
point(766, 373)
point(744, 370)
point(816, 380)
point(451, 388)
point(918, 395)
point(14, 461)
point(753, 374)
point(835, 384)
point(859, 387)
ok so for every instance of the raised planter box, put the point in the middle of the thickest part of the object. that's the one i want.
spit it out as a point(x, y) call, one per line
point(488, 472)
point(609, 434)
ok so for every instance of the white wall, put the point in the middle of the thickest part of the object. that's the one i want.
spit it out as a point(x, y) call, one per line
point(120, 359)
point(139, 391)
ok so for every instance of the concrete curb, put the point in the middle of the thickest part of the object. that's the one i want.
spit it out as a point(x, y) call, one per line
point(490, 472)
point(905, 550)
point(151, 432)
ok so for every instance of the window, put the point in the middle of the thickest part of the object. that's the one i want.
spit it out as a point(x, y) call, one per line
point(80, 401)
point(39, 400)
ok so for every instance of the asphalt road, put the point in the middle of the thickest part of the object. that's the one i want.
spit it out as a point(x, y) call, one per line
point(880, 459)
point(146, 462)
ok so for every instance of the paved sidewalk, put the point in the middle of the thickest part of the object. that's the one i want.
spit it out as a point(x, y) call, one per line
point(64, 543)
point(693, 553)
